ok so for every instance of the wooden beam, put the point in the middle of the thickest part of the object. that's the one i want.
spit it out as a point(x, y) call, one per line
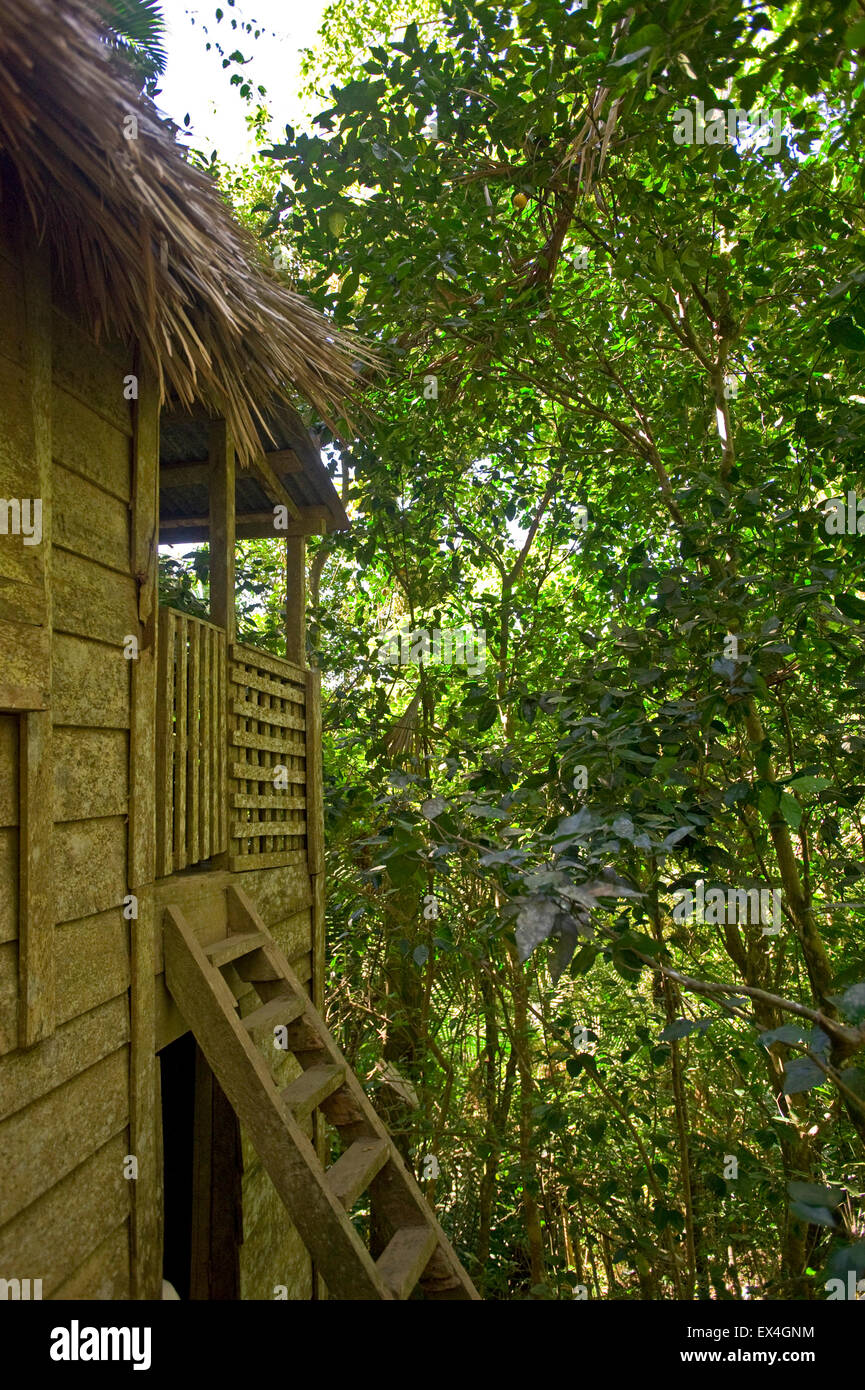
point(273, 487)
point(180, 530)
point(143, 1082)
point(295, 600)
point(221, 524)
point(278, 462)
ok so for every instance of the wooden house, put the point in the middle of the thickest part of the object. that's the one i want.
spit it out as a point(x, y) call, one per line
point(171, 1103)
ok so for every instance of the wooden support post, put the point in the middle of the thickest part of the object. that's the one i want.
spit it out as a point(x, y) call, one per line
point(222, 529)
point(222, 607)
point(295, 600)
point(144, 1087)
point(36, 888)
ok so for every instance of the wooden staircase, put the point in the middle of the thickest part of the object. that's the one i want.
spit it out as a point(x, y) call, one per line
point(318, 1201)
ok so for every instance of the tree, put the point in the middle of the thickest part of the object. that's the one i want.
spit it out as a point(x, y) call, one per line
point(136, 28)
point(624, 377)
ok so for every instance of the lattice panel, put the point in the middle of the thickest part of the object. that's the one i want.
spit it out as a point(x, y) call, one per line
point(190, 742)
point(267, 760)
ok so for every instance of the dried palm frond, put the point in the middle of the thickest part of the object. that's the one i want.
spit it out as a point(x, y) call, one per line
point(404, 737)
point(144, 241)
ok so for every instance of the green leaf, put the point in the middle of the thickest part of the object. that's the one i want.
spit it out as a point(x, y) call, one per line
point(811, 784)
point(683, 1027)
point(800, 1074)
point(850, 606)
point(844, 333)
point(816, 1194)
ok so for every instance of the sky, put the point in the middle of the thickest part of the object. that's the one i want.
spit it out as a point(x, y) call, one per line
point(195, 82)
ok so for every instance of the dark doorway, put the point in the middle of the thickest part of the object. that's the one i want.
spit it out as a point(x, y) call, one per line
point(202, 1168)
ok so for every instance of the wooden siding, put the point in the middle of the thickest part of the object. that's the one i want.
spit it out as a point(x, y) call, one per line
point(64, 1127)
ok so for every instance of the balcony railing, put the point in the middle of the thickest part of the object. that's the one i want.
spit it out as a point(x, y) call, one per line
point(267, 736)
point(231, 751)
point(191, 816)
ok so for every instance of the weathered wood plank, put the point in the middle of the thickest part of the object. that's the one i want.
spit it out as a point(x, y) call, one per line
point(278, 801)
point(355, 1170)
point(405, 1259)
point(25, 656)
point(78, 846)
point(93, 374)
point(312, 1087)
point(254, 680)
point(290, 747)
point(36, 880)
point(92, 958)
point(90, 601)
point(104, 1275)
point(78, 1043)
point(247, 830)
point(252, 772)
point(282, 1009)
point(246, 710)
point(61, 1229)
point(91, 967)
point(77, 502)
point(85, 444)
point(91, 684)
point(266, 661)
point(240, 863)
point(274, 892)
point(91, 773)
point(45, 1141)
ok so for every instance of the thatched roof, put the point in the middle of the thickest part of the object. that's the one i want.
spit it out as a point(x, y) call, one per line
point(144, 240)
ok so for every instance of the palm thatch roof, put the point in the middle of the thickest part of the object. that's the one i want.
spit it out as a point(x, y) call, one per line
point(144, 240)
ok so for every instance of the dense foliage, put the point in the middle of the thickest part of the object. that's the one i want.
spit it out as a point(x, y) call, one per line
point(623, 376)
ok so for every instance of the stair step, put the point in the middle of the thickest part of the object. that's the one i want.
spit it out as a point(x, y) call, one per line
point(310, 1089)
point(405, 1258)
point(354, 1171)
point(232, 947)
point(284, 1009)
